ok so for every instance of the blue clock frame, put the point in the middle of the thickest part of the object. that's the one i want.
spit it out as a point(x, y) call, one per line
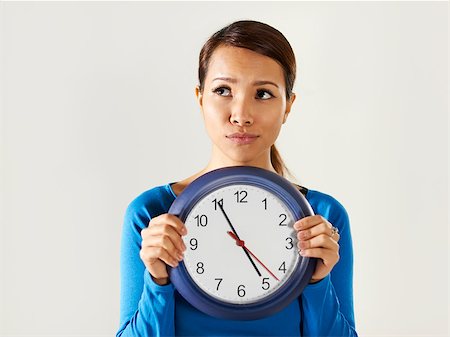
point(295, 202)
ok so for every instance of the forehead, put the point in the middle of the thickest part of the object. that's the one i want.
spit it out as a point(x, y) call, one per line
point(243, 64)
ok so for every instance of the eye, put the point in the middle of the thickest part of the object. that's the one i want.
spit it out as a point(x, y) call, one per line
point(264, 94)
point(223, 91)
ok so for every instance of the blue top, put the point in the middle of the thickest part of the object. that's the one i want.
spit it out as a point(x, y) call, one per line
point(148, 309)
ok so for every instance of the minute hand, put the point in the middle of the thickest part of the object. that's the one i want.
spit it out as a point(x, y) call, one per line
point(234, 231)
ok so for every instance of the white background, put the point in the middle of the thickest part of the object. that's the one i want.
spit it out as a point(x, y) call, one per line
point(97, 105)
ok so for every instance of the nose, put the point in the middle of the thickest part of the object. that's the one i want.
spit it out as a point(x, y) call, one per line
point(241, 113)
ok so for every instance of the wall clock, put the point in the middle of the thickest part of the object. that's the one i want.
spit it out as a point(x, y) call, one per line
point(241, 260)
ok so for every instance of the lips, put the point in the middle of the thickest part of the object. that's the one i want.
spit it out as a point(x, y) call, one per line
point(242, 138)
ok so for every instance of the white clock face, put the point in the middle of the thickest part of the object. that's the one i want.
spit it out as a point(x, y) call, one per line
point(241, 245)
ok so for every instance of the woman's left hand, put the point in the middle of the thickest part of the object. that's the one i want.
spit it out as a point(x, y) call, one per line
point(318, 238)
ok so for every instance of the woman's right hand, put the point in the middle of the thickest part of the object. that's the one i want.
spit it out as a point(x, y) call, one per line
point(162, 245)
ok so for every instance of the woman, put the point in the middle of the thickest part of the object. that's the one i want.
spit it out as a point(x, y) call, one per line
point(246, 75)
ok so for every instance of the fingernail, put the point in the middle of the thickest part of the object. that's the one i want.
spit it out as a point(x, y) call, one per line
point(302, 252)
point(184, 230)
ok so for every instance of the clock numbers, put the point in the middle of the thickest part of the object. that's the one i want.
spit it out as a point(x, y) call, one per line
point(290, 243)
point(194, 244)
point(265, 284)
point(284, 217)
point(241, 290)
point(264, 201)
point(202, 220)
point(217, 203)
point(220, 281)
point(200, 268)
point(241, 259)
point(225, 219)
point(240, 196)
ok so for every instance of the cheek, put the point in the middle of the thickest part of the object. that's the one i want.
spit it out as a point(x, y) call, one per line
point(214, 112)
point(214, 123)
point(214, 118)
point(271, 123)
point(271, 118)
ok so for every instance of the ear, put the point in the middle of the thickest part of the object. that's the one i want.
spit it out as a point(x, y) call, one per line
point(288, 107)
point(199, 96)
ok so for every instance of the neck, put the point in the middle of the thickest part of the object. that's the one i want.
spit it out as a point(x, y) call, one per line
point(219, 161)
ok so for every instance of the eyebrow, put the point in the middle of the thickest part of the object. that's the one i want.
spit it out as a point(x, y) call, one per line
point(233, 80)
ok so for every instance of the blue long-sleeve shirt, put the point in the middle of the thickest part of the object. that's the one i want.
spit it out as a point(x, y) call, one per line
point(325, 308)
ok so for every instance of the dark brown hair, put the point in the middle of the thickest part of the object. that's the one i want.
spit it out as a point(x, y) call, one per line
point(262, 39)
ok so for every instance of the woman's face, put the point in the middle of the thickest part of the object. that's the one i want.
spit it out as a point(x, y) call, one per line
point(244, 105)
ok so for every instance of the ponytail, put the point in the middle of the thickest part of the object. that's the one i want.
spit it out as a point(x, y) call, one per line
point(277, 162)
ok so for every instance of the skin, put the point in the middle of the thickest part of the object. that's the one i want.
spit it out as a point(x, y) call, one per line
point(244, 92)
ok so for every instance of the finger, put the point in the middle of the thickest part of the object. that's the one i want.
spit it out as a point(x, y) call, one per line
point(318, 229)
point(336, 237)
point(172, 220)
point(164, 230)
point(329, 257)
point(320, 241)
point(151, 254)
point(164, 242)
point(308, 222)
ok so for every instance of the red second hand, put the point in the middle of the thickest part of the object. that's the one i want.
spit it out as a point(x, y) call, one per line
point(241, 243)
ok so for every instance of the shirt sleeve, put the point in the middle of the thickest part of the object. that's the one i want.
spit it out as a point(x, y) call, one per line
point(146, 308)
point(327, 305)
